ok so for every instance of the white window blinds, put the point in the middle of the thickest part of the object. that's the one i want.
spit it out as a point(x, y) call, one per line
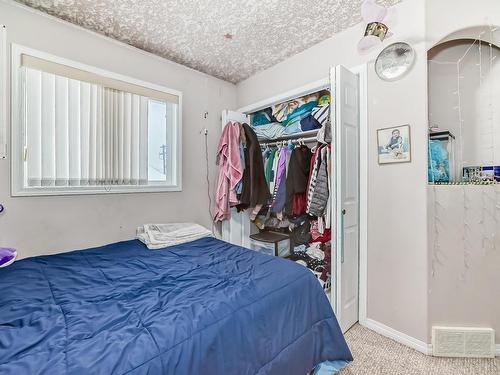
point(77, 129)
point(80, 134)
point(78, 74)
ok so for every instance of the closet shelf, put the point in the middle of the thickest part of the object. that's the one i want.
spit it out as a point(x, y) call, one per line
point(309, 133)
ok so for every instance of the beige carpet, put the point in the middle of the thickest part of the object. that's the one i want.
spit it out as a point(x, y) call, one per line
point(374, 354)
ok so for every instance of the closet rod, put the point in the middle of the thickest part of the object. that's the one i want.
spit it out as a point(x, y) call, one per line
point(294, 141)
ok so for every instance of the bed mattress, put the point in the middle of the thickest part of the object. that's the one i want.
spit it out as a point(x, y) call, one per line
point(203, 307)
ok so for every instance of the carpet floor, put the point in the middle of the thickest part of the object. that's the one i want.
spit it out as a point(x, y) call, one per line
point(377, 355)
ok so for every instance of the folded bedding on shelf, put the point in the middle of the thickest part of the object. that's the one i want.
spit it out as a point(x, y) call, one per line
point(294, 126)
point(263, 117)
point(157, 236)
point(304, 109)
point(270, 131)
point(283, 110)
point(321, 113)
point(309, 123)
point(306, 113)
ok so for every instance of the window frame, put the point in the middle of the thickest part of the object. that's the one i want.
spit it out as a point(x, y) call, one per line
point(3, 92)
point(18, 133)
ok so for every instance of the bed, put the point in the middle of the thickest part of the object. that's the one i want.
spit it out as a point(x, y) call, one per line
point(202, 307)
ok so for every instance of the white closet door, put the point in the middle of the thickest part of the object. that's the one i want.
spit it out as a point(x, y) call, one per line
point(346, 248)
point(236, 230)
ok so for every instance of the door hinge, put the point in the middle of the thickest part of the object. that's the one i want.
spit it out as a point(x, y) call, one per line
point(25, 154)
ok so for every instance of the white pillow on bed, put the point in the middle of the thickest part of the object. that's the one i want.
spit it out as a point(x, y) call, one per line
point(157, 236)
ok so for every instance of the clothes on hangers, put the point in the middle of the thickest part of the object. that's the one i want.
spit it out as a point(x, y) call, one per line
point(325, 133)
point(311, 185)
point(255, 192)
point(230, 171)
point(279, 195)
point(243, 145)
point(297, 179)
point(241, 181)
point(319, 193)
point(272, 182)
point(269, 155)
point(328, 210)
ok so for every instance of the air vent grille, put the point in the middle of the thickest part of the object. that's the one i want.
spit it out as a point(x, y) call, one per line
point(463, 342)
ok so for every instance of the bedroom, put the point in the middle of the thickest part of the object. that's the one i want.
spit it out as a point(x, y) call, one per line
point(208, 61)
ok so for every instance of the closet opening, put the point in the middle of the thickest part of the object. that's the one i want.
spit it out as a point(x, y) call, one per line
point(312, 180)
point(295, 141)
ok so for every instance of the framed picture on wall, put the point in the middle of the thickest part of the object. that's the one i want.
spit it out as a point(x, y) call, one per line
point(394, 145)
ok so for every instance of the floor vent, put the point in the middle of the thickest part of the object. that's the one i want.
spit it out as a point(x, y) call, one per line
point(463, 342)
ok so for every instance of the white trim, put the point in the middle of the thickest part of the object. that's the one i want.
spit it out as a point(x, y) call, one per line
point(3, 92)
point(362, 72)
point(334, 297)
point(397, 336)
point(337, 233)
point(92, 190)
point(403, 338)
point(290, 94)
point(17, 134)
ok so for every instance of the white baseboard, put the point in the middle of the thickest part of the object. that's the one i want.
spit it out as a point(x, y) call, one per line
point(403, 338)
point(397, 336)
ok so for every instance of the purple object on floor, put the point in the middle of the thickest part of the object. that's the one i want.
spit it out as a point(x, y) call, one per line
point(7, 256)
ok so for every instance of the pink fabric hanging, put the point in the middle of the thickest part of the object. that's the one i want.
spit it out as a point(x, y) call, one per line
point(230, 170)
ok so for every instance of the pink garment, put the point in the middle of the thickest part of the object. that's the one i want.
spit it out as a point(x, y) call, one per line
point(230, 170)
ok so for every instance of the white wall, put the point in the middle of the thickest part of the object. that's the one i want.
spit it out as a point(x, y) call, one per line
point(444, 17)
point(397, 226)
point(41, 225)
point(464, 243)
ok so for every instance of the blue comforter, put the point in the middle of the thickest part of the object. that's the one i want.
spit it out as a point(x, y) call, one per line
point(203, 307)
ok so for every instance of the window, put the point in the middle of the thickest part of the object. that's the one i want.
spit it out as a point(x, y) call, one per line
point(77, 130)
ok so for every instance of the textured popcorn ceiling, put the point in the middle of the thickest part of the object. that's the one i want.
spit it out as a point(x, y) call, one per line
point(190, 32)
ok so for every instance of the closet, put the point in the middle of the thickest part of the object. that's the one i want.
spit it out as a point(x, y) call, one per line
point(340, 219)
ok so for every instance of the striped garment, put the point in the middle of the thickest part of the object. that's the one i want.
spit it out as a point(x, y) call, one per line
point(321, 113)
point(312, 179)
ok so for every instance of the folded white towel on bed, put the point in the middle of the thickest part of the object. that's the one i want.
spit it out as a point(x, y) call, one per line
point(157, 236)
